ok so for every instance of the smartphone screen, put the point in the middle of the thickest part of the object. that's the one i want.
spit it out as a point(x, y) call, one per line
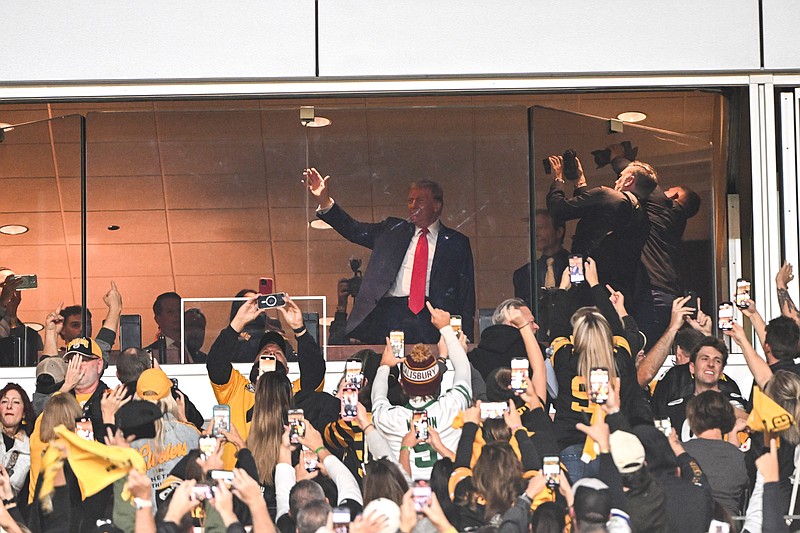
point(266, 363)
point(576, 269)
point(598, 386)
point(551, 470)
point(225, 475)
point(83, 428)
point(349, 402)
point(297, 428)
point(420, 423)
point(455, 323)
point(397, 340)
point(421, 493)
point(725, 316)
point(222, 419)
point(207, 445)
point(202, 492)
point(493, 409)
point(664, 425)
point(341, 519)
point(29, 281)
point(742, 293)
point(352, 372)
point(265, 286)
point(519, 369)
point(310, 461)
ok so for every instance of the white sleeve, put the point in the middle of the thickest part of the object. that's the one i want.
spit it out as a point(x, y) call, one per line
point(457, 355)
point(322, 211)
point(284, 481)
point(346, 484)
point(378, 446)
point(380, 389)
point(552, 380)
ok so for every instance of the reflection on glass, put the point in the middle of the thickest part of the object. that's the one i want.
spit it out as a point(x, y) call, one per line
point(208, 202)
point(650, 236)
point(40, 169)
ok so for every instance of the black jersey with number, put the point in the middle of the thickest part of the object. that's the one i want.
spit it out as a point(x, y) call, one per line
point(572, 403)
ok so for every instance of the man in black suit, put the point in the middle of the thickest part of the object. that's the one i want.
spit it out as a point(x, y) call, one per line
point(405, 269)
point(549, 267)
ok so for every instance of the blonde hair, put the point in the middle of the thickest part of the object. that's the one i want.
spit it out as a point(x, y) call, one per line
point(593, 343)
point(168, 406)
point(272, 403)
point(59, 409)
point(784, 388)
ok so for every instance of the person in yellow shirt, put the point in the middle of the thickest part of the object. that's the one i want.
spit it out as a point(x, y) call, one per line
point(233, 389)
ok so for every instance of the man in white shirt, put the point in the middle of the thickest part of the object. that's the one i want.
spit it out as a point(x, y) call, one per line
point(404, 270)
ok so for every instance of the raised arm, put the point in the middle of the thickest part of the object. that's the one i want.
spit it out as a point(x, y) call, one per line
point(309, 356)
point(522, 319)
point(782, 279)
point(52, 327)
point(462, 371)
point(218, 363)
point(649, 366)
point(757, 321)
point(318, 187)
point(758, 367)
point(108, 332)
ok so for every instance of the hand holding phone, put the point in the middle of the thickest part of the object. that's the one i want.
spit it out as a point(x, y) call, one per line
point(222, 419)
point(725, 316)
point(742, 293)
point(271, 301)
point(598, 386)
point(576, 269)
point(419, 421)
point(297, 427)
point(397, 340)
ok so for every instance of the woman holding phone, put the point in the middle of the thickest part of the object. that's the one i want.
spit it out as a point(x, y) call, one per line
point(586, 365)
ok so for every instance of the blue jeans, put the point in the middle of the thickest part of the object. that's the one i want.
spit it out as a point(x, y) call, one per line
point(577, 469)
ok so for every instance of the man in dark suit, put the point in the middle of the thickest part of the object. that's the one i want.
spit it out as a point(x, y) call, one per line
point(413, 261)
point(549, 267)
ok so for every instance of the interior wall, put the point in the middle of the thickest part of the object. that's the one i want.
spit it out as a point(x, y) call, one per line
point(185, 189)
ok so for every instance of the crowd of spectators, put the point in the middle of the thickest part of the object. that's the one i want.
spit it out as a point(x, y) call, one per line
point(494, 452)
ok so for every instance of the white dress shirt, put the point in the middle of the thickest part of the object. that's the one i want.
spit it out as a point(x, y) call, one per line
point(402, 283)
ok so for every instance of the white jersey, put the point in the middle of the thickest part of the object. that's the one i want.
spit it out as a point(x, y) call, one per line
point(394, 422)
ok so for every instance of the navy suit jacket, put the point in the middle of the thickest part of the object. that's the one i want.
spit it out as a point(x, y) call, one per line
point(452, 277)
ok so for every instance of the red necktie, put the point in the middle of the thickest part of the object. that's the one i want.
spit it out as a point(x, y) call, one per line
point(416, 295)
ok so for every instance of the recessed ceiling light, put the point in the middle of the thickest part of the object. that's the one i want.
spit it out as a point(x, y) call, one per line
point(318, 122)
point(113, 227)
point(319, 224)
point(35, 326)
point(13, 229)
point(632, 116)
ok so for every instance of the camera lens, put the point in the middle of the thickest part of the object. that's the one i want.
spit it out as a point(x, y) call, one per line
point(271, 300)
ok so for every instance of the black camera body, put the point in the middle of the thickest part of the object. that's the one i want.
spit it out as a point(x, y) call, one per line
point(354, 283)
point(571, 165)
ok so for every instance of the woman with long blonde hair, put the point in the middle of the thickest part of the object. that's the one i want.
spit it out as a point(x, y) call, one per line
point(273, 400)
point(174, 436)
point(57, 511)
point(590, 346)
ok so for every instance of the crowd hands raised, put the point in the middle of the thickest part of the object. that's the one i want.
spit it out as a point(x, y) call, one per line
point(393, 451)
